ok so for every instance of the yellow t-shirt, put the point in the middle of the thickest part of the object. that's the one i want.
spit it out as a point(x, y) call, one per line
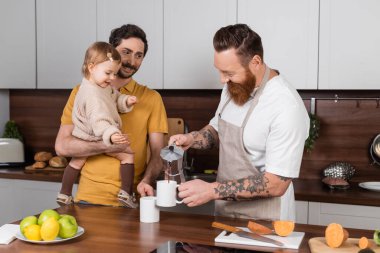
point(100, 177)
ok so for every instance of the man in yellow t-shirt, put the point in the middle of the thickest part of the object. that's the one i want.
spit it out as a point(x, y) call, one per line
point(146, 123)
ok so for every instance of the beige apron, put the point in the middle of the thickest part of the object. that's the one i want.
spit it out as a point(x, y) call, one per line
point(234, 163)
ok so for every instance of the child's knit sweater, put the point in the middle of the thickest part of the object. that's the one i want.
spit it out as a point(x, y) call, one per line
point(96, 112)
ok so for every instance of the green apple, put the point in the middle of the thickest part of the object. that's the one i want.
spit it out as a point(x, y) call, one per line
point(68, 226)
point(27, 221)
point(376, 237)
point(47, 214)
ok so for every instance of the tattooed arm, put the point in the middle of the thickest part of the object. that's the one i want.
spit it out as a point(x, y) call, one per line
point(263, 185)
point(197, 192)
point(206, 138)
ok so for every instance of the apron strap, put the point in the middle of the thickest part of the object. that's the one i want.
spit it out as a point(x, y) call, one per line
point(224, 106)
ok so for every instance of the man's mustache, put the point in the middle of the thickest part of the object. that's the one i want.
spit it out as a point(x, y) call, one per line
point(127, 65)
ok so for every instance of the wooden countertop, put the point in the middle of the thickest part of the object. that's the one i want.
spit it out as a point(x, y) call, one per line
point(305, 190)
point(316, 191)
point(19, 173)
point(115, 229)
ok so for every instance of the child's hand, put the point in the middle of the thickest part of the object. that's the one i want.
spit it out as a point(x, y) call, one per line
point(131, 100)
point(119, 138)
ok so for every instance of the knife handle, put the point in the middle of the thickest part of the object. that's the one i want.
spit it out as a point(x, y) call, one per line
point(225, 227)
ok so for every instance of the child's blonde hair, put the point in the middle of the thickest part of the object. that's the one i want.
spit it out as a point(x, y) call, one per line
point(97, 53)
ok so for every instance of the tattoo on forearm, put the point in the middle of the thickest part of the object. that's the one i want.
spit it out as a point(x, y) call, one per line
point(203, 139)
point(238, 189)
point(284, 178)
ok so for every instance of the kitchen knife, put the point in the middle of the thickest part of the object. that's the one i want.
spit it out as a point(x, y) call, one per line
point(245, 234)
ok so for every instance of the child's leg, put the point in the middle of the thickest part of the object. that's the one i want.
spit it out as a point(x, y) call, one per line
point(70, 175)
point(127, 170)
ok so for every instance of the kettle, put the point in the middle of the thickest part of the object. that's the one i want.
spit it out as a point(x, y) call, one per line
point(172, 157)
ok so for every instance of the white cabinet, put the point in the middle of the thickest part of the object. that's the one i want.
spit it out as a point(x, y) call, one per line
point(189, 28)
point(65, 29)
point(349, 216)
point(289, 33)
point(316, 44)
point(22, 198)
point(17, 44)
point(7, 203)
point(302, 212)
point(349, 44)
point(148, 15)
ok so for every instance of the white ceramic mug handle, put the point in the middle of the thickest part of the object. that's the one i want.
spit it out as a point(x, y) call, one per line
point(177, 201)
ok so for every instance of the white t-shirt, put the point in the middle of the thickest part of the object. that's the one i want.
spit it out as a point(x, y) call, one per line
point(275, 133)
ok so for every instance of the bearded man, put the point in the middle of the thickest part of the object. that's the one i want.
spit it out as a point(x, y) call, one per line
point(260, 127)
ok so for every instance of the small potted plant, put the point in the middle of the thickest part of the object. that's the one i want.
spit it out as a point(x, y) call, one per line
point(11, 131)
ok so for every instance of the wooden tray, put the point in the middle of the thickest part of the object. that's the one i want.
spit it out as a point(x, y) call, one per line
point(48, 169)
point(318, 244)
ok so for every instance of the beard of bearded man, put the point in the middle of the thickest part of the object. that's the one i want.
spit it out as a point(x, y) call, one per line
point(241, 92)
point(126, 65)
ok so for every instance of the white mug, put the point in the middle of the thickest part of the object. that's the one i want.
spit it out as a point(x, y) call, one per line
point(149, 211)
point(167, 193)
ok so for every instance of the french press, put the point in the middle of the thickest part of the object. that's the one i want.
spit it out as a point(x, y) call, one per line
point(172, 157)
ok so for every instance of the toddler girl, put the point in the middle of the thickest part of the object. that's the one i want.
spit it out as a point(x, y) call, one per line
point(96, 117)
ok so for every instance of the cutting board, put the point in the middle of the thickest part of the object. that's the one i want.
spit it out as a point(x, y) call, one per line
point(48, 169)
point(318, 244)
point(292, 241)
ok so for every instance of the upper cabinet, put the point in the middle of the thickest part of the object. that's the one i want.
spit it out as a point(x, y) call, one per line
point(349, 49)
point(17, 44)
point(65, 29)
point(289, 33)
point(315, 44)
point(147, 14)
point(189, 28)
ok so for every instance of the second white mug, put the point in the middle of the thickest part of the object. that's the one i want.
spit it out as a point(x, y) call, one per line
point(167, 193)
point(149, 212)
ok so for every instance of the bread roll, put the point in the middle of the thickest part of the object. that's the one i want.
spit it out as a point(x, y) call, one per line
point(42, 156)
point(58, 162)
point(39, 165)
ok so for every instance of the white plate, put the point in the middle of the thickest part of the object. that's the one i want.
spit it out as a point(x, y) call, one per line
point(57, 240)
point(373, 186)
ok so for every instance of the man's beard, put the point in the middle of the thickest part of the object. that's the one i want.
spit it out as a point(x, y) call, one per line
point(241, 92)
point(126, 65)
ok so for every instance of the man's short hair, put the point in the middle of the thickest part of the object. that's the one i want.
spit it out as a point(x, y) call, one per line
point(242, 38)
point(126, 32)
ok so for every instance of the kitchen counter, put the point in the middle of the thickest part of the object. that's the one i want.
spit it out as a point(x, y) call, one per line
point(19, 173)
point(305, 190)
point(316, 191)
point(113, 229)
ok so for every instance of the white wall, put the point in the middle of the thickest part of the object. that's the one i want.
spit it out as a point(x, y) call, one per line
point(4, 109)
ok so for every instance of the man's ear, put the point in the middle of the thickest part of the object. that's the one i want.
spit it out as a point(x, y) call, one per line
point(255, 63)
